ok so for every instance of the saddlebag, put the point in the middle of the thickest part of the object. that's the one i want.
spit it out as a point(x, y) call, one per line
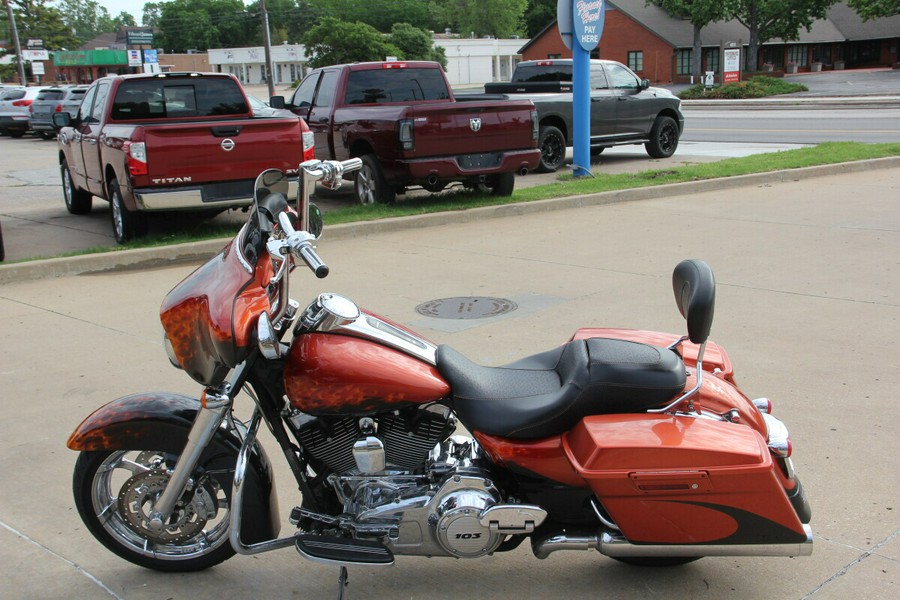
point(683, 480)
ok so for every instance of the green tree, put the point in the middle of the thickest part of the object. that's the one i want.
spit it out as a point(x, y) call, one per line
point(498, 18)
point(203, 24)
point(37, 19)
point(875, 9)
point(334, 42)
point(380, 14)
point(86, 19)
point(700, 13)
point(123, 18)
point(770, 19)
point(416, 44)
point(538, 15)
point(151, 14)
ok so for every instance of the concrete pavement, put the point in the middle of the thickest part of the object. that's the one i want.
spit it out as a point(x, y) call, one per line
point(808, 306)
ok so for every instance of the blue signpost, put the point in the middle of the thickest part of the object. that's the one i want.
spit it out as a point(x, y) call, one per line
point(580, 26)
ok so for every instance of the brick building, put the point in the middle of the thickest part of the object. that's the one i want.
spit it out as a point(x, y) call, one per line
point(660, 47)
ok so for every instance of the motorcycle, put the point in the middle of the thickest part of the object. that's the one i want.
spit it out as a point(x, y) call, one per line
point(636, 444)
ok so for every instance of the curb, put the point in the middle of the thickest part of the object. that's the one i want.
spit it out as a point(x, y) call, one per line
point(144, 258)
point(810, 102)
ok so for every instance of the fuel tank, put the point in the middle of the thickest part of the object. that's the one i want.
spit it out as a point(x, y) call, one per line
point(329, 373)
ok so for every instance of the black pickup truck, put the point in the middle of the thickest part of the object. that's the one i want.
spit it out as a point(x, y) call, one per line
point(624, 108)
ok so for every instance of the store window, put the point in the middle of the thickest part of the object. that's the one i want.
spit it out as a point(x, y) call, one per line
point(683, 62)
point(798, 53)
point(636, 60)
point(712, 59)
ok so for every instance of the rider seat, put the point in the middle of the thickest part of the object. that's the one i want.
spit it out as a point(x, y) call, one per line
point(548, 393)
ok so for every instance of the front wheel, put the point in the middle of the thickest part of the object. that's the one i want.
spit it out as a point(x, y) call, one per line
point(126, 224)
point(116, 490)
point(663, 138)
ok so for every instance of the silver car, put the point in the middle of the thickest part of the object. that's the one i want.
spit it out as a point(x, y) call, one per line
point(14, 114)
point(54, 100)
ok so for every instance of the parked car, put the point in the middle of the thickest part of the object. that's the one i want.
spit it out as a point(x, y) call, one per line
point(403, 121)
point(14, 104)
point(169, 142)
point(54, 100)
point(624, 108)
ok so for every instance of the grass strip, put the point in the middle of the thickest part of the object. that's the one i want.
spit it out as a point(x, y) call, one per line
point(822, 154)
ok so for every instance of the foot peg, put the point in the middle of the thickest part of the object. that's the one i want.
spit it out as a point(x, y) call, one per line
point(343, 551)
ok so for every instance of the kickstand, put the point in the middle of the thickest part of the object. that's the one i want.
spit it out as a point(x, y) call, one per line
point(343, 582)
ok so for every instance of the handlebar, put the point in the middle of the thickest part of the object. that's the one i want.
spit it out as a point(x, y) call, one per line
point(300, 244)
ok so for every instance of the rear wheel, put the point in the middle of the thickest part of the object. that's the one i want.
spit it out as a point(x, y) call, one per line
point(370, 183)
point(502, 184)
point(663, 138)
point(78, 201)
point(552, 143)
point(115, 490)
point(126, 224)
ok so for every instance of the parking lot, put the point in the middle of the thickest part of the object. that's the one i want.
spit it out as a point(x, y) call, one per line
point(808, 305)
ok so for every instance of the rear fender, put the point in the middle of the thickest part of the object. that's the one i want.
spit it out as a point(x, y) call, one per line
point(161, 421)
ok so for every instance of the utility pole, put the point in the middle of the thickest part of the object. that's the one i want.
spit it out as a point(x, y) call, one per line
point(15, 32)
point(270, 75)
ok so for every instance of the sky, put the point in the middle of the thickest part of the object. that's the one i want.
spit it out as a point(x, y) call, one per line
point(135, 7)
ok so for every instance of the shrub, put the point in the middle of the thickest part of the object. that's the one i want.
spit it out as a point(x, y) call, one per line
point(754, 87)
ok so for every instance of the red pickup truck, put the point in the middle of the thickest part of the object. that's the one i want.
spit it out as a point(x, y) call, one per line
point(168, 142)
point(402, 120)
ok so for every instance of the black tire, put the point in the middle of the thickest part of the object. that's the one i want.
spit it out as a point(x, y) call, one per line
point(552, 143)
point(503, 184)
point(47, 135)
point(663, 138)
point(16, 134)
point(101, 477)
point(127, 225)
point(370, 184)
point(597, 150)
point(78, 201)
point(2, 249)
point(657, 561)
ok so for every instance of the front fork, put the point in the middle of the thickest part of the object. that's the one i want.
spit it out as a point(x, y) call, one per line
point(216, 404)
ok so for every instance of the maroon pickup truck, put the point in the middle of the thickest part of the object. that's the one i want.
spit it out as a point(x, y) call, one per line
point(402, 120)
point(168, 142)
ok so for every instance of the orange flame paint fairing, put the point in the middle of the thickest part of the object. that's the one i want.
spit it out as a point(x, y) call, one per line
point(209, 316)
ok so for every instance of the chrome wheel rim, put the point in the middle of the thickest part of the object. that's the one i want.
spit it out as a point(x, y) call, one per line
point(365, 185)
point(122, 492)
point(118, 224)
point(67, 186)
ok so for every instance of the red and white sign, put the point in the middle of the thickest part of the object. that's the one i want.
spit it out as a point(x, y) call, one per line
point(731, 65)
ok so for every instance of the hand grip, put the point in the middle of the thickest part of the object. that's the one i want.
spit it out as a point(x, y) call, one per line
point(309, 256)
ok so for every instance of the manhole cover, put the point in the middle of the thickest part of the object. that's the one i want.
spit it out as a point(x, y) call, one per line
point(467, 307)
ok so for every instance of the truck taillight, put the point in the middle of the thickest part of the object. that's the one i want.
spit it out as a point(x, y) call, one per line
point(309, 145)
point(136, 153)
point(407, 134)
point(535, 128)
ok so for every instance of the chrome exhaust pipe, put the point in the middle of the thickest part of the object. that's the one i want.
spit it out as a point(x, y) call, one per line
point(616, 546)
point(431, 180)
point(523, 171)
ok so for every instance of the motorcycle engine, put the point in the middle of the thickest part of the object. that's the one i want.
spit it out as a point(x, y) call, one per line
point(430, 493)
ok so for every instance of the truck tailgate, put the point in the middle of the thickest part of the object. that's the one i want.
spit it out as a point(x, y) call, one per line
point(220, 151)
point(457, 128)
